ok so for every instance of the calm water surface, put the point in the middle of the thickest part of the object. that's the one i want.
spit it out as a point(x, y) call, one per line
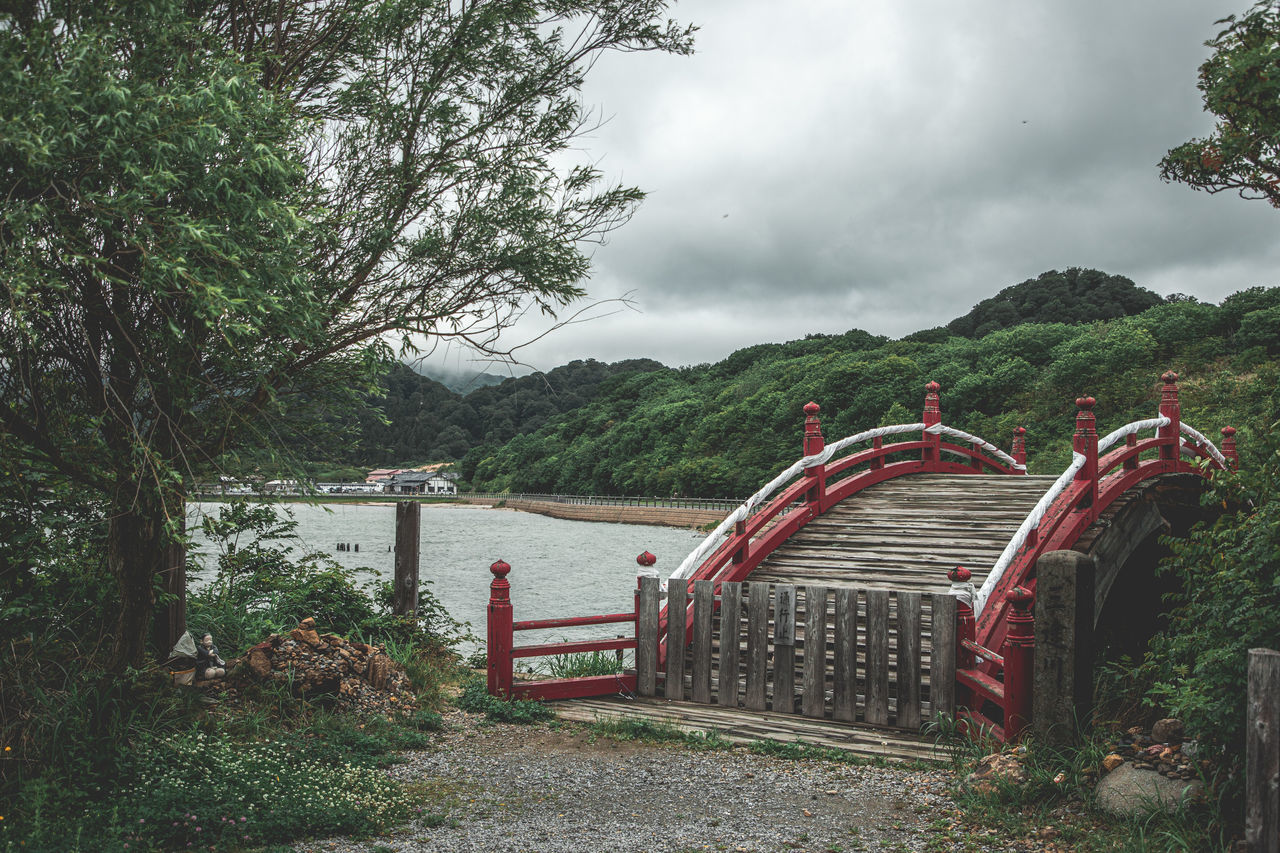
point(558, 567)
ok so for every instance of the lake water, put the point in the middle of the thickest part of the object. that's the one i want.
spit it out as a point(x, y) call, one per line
point(558, 567)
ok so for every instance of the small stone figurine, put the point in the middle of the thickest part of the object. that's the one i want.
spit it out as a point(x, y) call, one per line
point(208, 663)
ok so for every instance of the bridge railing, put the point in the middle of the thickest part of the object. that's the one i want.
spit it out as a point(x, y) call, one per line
point(1096, 477)
point(605, 500)
point(993, 692)
point(756, 527)
point(501, 651)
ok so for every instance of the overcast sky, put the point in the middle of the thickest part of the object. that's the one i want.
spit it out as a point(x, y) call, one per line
point(822, 165)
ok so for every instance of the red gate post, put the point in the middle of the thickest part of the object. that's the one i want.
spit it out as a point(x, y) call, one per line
point(932, 416)
point(813, 445)
point(966, 624)
point(1019, 453)
point(501, 639)
point(1229, 447)
point(1019, 663)
point(1171, 409)
point(1085, 442)
point(966, 629)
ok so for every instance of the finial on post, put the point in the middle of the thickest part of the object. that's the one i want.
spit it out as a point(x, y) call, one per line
point(1229, 447)
point(1019, 663)
point(814, 444)
point(1020, 449)
point(932, 416)
point(646, 559)
point(1171, 408)
point(1085, 442)
point(500, 635)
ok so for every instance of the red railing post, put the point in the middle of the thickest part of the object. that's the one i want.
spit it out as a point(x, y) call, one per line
point(1171, 408)
point(1019, 453)
point(501, 639)
point(966, 625)
point(1229, 447)
point(877, 443)
point(814, 444)
point(1019, 663)
point(1085, 442)
point(932, 416)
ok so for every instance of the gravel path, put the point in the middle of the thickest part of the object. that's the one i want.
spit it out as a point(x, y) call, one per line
point(559, 790)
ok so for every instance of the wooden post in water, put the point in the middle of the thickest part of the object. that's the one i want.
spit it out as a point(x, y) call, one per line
point(404, 600)
point(1262, 753)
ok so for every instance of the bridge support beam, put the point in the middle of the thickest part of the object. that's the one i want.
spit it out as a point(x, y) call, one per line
point(1063, 671)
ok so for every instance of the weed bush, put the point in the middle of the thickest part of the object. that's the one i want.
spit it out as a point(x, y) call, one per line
point(1229, 602)
point(476, 699)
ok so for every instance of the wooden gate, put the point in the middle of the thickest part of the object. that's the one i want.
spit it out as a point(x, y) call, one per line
point(871, 656)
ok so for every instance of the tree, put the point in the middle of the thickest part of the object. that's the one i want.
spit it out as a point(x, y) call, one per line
point(1240, 85)
point(220, 216)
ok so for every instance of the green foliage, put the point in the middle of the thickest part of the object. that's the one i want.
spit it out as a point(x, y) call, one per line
point(724, 430)
point(260, 588)
point(1241, 88)
point(1229, 602)
point(1074, 296)
point(581, 664)
point(476, 699)
point(219, 217)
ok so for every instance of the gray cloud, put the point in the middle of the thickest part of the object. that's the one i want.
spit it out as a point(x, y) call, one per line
point(825, 165)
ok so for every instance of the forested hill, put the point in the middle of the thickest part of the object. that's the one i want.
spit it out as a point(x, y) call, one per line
point(726, 428)
point(427, 422)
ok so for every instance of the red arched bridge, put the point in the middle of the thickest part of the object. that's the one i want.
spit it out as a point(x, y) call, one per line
point(883, 579)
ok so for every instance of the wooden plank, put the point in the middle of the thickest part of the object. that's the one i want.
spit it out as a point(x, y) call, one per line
point(757, 645)
point(748, 726)
point(1262, 753)
point(677, 624)
point(844, 698)
point(730, 625)
point(908, 630)
point(408, 539)
point(703, 605)
point(942, 651)
point(877, 710)
point(815, 651)
point(784, 649)
point(647, 635)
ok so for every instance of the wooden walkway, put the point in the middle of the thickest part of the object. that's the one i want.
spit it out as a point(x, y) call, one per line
point(742, 726)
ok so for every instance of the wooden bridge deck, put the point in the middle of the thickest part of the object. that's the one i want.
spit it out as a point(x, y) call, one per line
point(906, 534)
point(742, 726)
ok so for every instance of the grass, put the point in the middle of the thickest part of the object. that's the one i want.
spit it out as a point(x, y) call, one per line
point(1060, 794)
point(582, 664)
point(476, 699)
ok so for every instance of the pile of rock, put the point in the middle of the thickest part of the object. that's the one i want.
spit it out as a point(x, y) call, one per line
point(357, 676)
point(1144, 769)
point(1160, 750)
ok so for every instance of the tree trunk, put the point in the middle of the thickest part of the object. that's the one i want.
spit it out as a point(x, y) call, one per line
point(138, 551)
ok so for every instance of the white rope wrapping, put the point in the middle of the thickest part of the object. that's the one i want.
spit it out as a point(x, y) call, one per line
point(983, 443)
point(1031, 522)
point(1104, 444)
point(1206, 444)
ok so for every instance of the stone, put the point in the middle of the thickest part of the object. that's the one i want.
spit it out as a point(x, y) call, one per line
point(994, 770)
point(1111, 762)
point(305, 635)
point(1169, 730)
point(259, 660)
point(1128, 791)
